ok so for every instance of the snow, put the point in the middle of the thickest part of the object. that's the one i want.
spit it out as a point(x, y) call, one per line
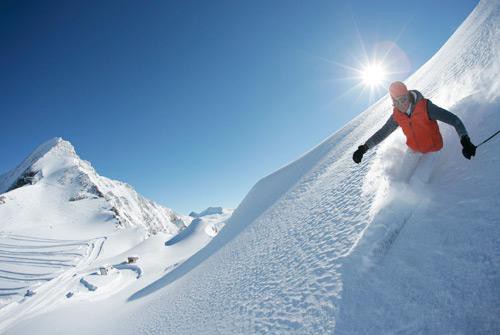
point(60, 222)
point(434, 250)
point(322, 245)
point(208, 211)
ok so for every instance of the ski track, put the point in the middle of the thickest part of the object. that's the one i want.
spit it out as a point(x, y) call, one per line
point(18, 272)
point(305, 279)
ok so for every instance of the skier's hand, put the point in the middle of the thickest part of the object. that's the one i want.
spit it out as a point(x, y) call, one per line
point(469, 149)
point(358, 154)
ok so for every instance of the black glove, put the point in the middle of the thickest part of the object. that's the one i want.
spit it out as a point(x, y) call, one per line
point(358, 154)
point(469, 149)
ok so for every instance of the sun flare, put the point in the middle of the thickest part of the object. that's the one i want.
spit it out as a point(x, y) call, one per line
point(373, 75)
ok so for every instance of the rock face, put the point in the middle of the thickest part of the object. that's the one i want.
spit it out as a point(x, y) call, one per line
point(27, 178)
point(55, 163)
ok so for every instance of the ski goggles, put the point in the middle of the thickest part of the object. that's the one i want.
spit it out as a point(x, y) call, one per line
point(400, 101)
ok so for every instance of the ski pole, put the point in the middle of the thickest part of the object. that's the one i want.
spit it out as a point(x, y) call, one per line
point(489, 138)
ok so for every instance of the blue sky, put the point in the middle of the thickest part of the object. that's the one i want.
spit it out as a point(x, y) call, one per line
point(191, 102)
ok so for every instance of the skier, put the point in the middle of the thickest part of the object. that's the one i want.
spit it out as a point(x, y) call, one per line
point(418, 118)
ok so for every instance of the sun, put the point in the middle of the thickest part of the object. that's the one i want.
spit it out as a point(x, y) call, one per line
point(373, 75)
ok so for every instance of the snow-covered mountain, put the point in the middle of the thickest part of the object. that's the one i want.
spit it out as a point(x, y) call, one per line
point(327, 246)
point(55, 168)
point(62, 226)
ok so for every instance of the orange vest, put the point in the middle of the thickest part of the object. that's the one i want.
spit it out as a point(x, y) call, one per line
point(422, 133)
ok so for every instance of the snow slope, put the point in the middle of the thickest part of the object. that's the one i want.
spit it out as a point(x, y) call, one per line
point(324, 245)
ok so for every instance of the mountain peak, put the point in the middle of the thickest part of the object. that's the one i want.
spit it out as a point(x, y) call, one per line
point(47, 157)
point(54, 144)
point(51, 155)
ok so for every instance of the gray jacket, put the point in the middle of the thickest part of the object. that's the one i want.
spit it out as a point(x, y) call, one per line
point(435, 113)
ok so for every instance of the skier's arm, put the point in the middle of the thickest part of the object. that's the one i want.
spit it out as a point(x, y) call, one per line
point(440, 114)
point(387, 129)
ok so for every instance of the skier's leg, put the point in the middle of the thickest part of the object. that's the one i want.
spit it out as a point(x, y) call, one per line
point(425, 168)
point(409, 163)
